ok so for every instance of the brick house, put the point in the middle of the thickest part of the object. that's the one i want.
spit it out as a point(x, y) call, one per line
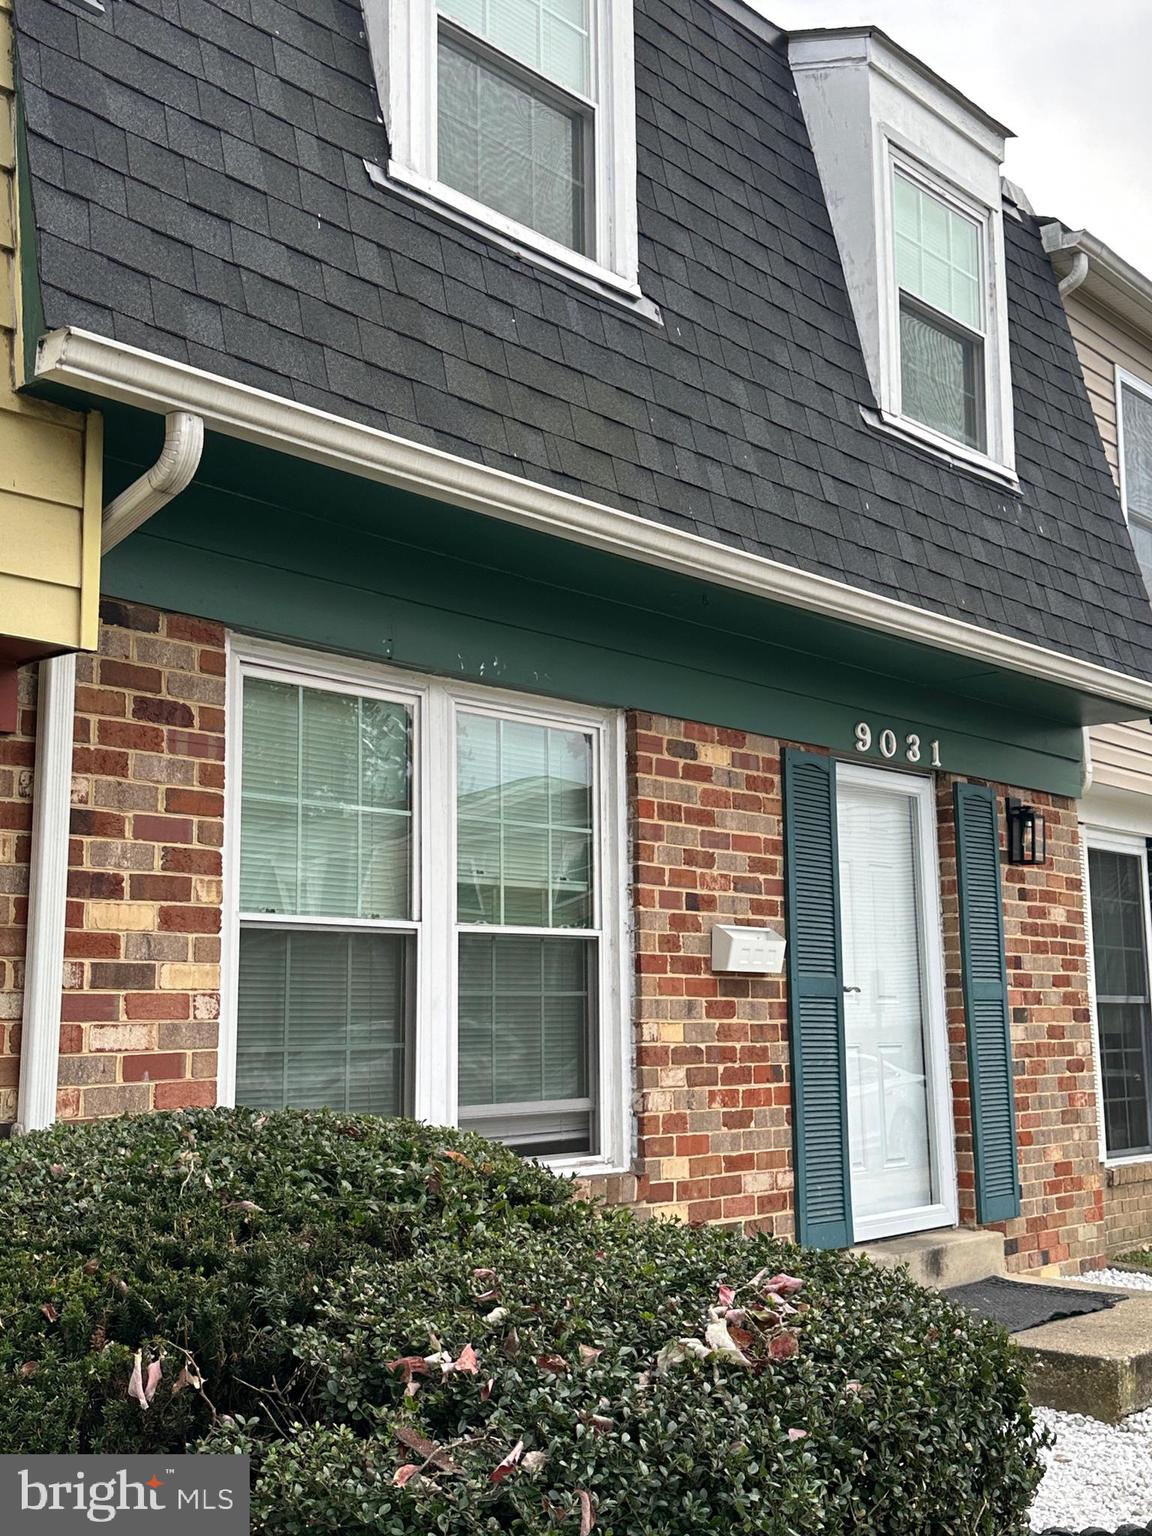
point(1109, 306)
point(585, 501)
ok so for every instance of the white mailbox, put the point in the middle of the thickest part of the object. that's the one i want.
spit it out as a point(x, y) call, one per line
point(759, 951)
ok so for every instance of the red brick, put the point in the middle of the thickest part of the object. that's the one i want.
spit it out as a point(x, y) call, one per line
point(131, 735)
point(162, 712)
point(153, 1066)
point(162, 829)
point(185, 1094)
point(156, 1005)
point(190, 919)
point(125, 674)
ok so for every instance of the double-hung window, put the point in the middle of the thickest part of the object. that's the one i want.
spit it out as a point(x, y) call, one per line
point(518, 115)
point(1134, 413)
point(424, 888)
point(942, 313)
point(1118, 889)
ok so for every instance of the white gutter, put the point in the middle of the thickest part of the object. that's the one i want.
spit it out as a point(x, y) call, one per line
point(52, 797)
point(171, 474)
point(80, 360)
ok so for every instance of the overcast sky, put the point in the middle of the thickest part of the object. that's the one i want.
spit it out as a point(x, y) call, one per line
point(1071, 78)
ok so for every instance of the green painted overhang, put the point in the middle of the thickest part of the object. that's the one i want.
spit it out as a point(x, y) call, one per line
point(279, 543)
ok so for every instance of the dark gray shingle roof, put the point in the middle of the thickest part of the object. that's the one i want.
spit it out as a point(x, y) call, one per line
point(199, 191)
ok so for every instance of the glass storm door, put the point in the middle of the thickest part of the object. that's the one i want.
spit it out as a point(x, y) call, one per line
point(899, 1119)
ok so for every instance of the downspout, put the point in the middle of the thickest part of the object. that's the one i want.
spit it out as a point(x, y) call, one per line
point(1075, 275)
point(52, 790)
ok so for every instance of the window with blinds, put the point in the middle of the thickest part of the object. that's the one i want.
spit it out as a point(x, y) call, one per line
point(325, 897)
point(1135, 405)
point(1118, 886)
point(515, 114)
point(425, 912)
point(942, 313)
point(528, 944)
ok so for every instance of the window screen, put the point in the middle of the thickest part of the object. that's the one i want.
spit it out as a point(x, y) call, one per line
point(1136, 416)
point(1123, 1009)
point(325, 836)
point(514, 120)
point(939, 276)
point(525, 829)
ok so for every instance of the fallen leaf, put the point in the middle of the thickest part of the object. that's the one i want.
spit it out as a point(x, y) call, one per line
point(676, 1351)
point(588, 1355)
point(512, 1344)
point(29, 1368)
point(57, 1170)
point(781, 1285)
point(486, 1389)
point(467, 1361)
point(456, 1157)
point(797, 1434)
point(155, 1370)
point(717, 1337)
point(50, 1312)
point(534, 1460)
point(783, 1346)
point(411, 1365)
point(727, 1295)
point(136, 1382)
point(508, 1465)
point(587, 1512)
point(404, 1474)
point(497, 1315)
point(554, 1363)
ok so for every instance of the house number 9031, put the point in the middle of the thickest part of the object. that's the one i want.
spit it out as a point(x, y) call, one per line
point(911, 747)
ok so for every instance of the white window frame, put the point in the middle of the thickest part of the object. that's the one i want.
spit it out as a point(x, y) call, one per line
point(998, 455)
point(402, 36)
point(1126, 380)
point(1135, 845)
point(434, 702)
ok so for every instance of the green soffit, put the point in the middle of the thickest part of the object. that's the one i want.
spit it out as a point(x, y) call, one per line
point(278, 546)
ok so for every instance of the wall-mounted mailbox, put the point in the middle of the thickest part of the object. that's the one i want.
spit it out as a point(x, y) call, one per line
point(755, 951)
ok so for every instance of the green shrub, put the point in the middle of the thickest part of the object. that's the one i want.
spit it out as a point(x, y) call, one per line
point(382, 1314)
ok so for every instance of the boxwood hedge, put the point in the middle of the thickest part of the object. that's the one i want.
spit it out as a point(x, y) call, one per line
point(413, 1331)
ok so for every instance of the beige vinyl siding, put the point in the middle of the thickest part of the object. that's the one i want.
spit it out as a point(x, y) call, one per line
point(1122, 757)
point(1121, 754)
point(1103, 343)
point(50, 462)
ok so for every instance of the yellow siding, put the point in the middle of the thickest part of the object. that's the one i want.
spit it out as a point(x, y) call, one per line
point(50, 464)
point(1121, 754)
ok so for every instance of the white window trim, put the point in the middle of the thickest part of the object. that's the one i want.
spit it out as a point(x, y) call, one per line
point(402, 38)
point(999, 457)
point(434, 702)
point(1134, 844)
point(1126, 380)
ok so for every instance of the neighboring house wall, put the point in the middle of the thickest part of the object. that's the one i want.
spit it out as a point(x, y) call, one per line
point(17, 754)
point(1121, 754)
point(50, 463)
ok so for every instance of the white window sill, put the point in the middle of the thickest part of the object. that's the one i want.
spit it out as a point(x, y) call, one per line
point(952, 453)
point(1134, 1161)
point(583, 1167)
point(514, 237)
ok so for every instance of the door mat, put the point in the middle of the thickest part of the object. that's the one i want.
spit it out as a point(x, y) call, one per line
point(1020, 1305)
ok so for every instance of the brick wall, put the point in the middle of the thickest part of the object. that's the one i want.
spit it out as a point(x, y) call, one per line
point(1062, 1219)
point(142, 949)
point(712, 1092)
point(17, 755)
point(1128, 1206)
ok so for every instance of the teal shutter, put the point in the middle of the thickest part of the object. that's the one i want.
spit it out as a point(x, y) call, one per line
point(816, 1002)
point(986, 1003)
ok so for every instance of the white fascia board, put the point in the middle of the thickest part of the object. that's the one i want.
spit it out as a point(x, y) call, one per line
point(80, 360)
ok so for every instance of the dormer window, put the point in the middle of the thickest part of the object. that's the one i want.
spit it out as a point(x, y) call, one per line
point(942, 318)
point(911, 175)
point(519, 117)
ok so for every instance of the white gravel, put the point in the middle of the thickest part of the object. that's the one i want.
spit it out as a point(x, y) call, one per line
point(1133, 1279)
point(1096, 1474)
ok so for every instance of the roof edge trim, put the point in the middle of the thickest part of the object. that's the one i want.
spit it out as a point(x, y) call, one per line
point(1123, 285)
point(80, 360)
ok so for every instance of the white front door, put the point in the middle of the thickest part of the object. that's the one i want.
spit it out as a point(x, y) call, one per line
point(900, 1133)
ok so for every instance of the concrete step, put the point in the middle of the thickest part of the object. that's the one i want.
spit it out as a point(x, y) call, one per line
point(938, 1260)
point(1099, 1363)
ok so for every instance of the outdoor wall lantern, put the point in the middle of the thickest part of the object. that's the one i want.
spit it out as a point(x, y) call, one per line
point(1027, 838)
